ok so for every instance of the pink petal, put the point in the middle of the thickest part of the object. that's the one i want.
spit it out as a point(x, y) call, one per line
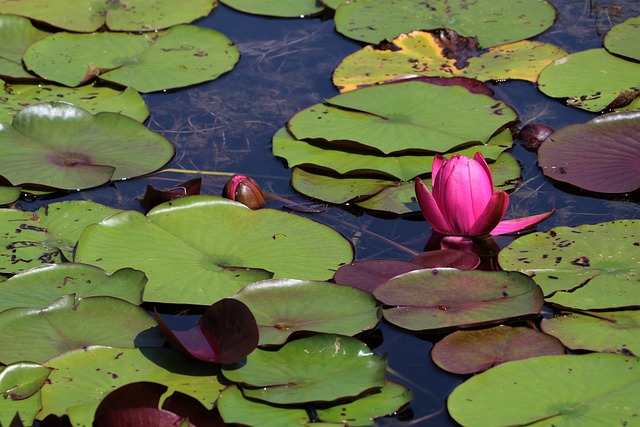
point(513, 225)
point(491, 216)
point(430, 209)
point(438, 161)
point(478, 157)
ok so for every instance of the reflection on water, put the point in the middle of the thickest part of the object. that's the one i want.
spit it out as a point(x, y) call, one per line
point(286, 65)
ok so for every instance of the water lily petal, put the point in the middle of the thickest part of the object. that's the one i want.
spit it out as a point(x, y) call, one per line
point(430, 209)
point(513, 225)
point(478, 157)
point(438, 161)
point(491, 216)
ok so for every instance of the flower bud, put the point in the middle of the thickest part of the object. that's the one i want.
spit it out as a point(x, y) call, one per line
point(246, 191)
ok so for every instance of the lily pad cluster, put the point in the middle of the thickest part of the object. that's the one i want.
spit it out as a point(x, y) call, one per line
point(367, 145)
point(599, 79)
point(59, 318)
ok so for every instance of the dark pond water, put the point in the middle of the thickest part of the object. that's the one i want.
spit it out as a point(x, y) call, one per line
point(286, 65)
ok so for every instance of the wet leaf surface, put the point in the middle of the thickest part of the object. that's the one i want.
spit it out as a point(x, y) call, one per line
point(578, 266)
point(434, 299)
point(285, 306)
point(468, 352)
point(279, 8)
point(601, 155)
point(593, 388)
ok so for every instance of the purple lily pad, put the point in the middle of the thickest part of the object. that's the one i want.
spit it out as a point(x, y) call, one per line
point(226, 333)
point(602, 155)
point(367, 275)
point(468, 352)
point(136, 404)
point(449, 258)
point(439, 299)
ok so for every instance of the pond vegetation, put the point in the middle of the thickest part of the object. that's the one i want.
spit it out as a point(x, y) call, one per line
point(317, 294)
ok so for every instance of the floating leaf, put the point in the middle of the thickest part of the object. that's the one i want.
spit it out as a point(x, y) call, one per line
point(200, 249)
point(591, 79)
point(421, 53)
point(20, 385)
point(370, 273)
point(621, 39)
point(122, 15)
point(40, 285)
point(602, 155)
point(9, 195)
point(323, 368)
point(181, 56)
point(435, 299)
point(404, 116)
point(226, 333)
point(403, 167)
point(493, 22)
point(153, 197)
point(48, 235)
point(448, 258)
point(279, 8)
point(591, 266)
point(610, 332)
point(82, 378)
point(17, 33)
point(361, 412)
point(69, 323)
point(137, 403)
point(285, 306)
point(60, 145)
point(468, 352)
point(93, 98)
point(592, 389)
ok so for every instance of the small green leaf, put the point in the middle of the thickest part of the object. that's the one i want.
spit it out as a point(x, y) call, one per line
point(279, 8)
point(622, 39)
point(323, 368)
point(20, 384)
point(285, 306)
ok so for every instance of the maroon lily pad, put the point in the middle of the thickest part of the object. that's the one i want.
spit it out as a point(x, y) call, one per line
point(153, 197)
point(468, 352)
point(136, 404)
point(602, 155)
point(226, 333)
point(449, 258)
point(438, 299)
point(367, 275)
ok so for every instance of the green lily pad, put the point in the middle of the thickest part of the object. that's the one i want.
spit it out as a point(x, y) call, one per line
point(602, 155)
point(279, 8)
point(20, 384)
point(403, 116)
point(200, 249)
point(405, 167)
point(398, 197)
point(48, 235)
point(9, 195)
point(591, 79)
point(434, 299)
point(17, 33)
point(592, 266)
point(322, 367)
point(622, 39)
point(592, 389)
point(93, 98)
point(494, 22)
point(421, 53)
point(40, 285)
point(468, 352)
point(285, 306)
point(610, 332)
point(234, 408)
point(69, 323)
point(82, 378)
point(122, 15)
point(181, 56)
point(60, 145)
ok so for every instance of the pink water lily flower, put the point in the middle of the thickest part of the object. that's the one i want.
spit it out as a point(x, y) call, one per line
point(464, 203)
